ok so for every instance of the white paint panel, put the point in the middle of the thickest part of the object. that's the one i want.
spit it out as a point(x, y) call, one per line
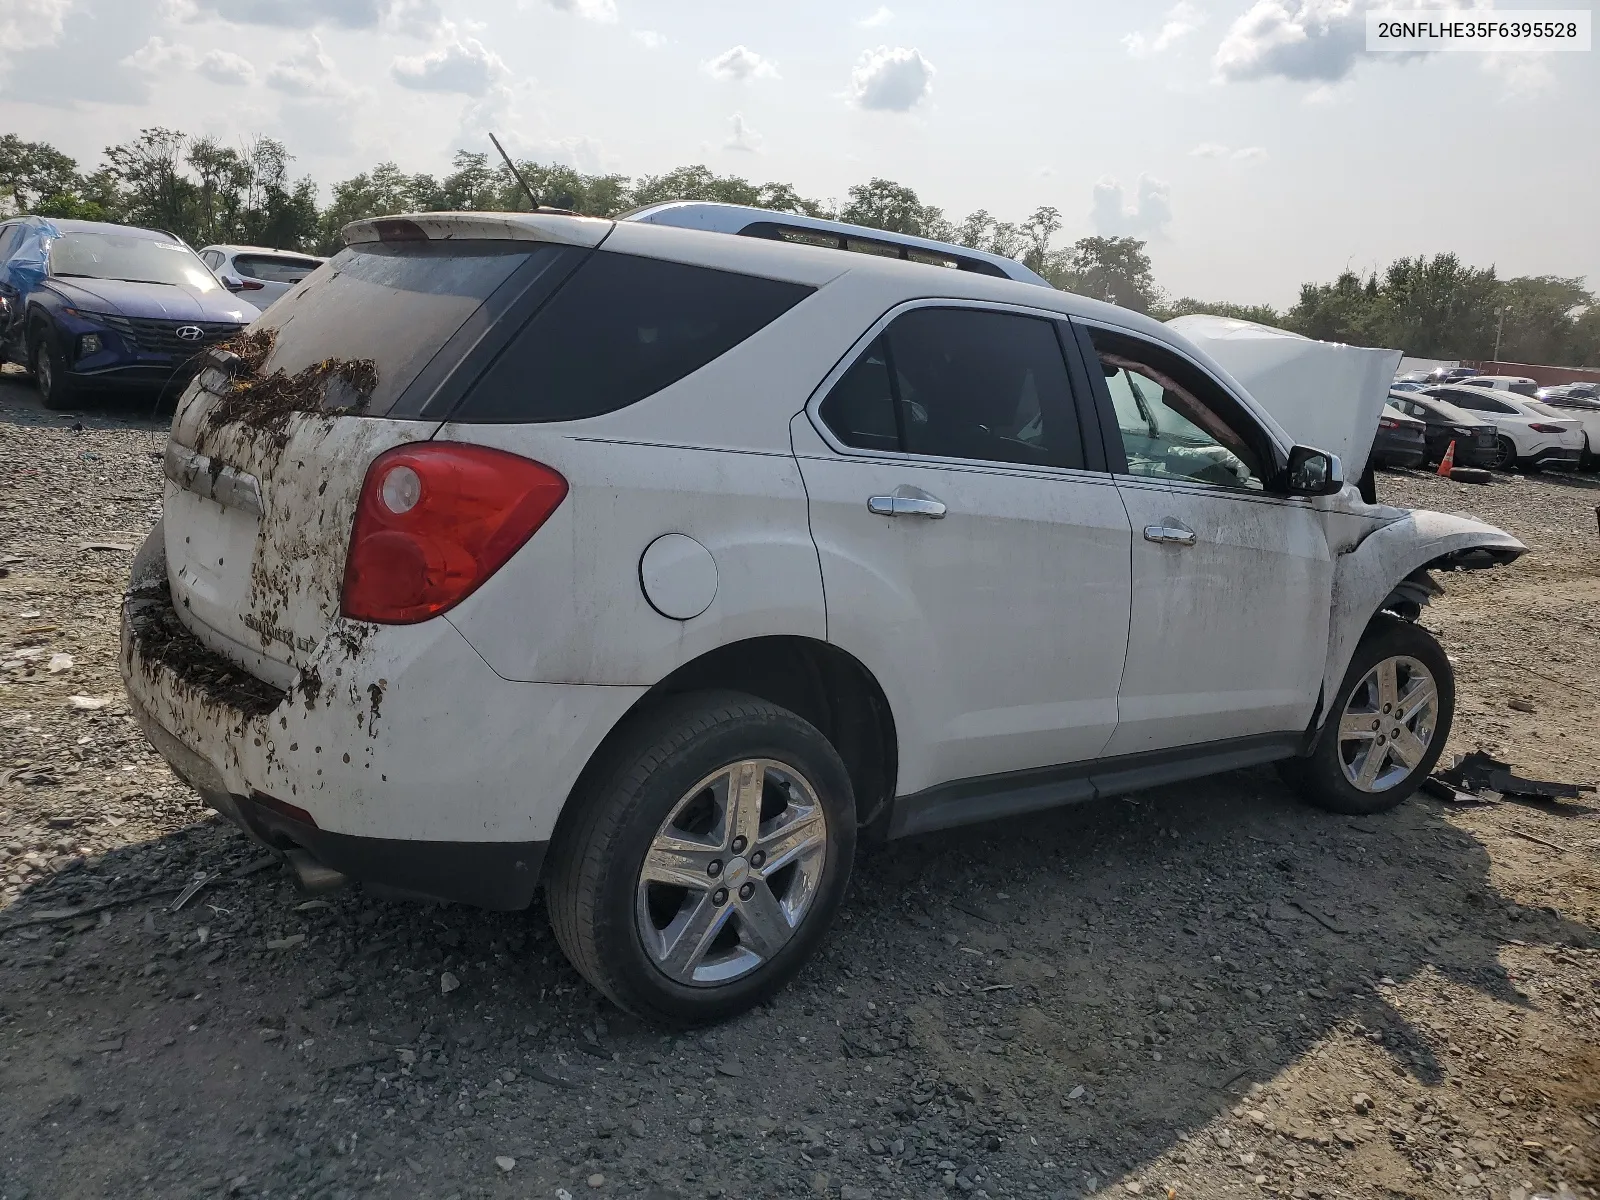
point(998, 631)
point(568, 607)
point(1227, 635)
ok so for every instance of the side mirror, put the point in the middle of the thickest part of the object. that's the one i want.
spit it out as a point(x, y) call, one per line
point(1313, 472)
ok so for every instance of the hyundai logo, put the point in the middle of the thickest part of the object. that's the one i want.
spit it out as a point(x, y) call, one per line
point(189, 333)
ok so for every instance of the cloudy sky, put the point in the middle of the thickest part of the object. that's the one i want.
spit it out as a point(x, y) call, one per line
point(1253, 142)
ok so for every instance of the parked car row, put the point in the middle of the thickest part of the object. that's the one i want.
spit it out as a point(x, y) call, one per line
point(90, 307)
point(1500, 421)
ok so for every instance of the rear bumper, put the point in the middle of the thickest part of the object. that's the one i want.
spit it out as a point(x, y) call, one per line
point(409, 763)
point(1390, 450)
point(1556, 456)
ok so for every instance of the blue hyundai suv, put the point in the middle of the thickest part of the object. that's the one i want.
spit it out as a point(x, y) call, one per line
point(89, 306)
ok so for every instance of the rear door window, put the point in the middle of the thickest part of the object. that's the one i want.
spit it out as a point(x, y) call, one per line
point(620, 329)
point(960, 383)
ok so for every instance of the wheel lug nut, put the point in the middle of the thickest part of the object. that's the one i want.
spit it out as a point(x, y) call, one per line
point(747, 891)
point(719, 897)
point(1376, 724)
point(715, 868)
point(738, 845)
point(757, 859)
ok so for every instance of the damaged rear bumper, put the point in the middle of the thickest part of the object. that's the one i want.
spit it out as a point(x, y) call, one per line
point(449, 788)
point(493, 875)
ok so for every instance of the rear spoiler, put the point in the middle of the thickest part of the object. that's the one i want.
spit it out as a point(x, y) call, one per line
point(479, 226)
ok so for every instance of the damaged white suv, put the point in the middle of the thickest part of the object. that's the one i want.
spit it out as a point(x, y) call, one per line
point(655, 566)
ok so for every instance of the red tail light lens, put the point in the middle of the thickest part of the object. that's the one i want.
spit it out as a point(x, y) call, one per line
point(251, 285)
point(1386, 423)
point(1541, 427)
point(434, 521)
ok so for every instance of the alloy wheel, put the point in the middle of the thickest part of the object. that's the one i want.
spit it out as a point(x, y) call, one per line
point(1505, 454)
point(1388, 724)
point(731, 873)
point(43, 368)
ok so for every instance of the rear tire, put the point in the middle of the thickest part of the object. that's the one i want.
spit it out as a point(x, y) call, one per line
point(50, 371)
point(1359, 766)
point(668, 804)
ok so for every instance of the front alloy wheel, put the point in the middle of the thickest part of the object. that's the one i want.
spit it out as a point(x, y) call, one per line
point(1388, 724)
point(732, 872)
point(1390, 719)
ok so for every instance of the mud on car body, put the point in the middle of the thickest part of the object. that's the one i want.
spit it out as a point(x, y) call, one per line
point(653, 566)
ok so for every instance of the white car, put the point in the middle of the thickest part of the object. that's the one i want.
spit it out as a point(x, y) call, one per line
point(261, 275)
point(1521, 385)
point(1574, 405)
point(1532, 434)
point(656, 567)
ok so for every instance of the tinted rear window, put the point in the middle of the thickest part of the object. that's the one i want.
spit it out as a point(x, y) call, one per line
point(275, 270)
point(396, 304)
point(620, 329)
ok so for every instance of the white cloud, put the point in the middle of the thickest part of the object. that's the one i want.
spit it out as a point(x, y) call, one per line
point(1522, 76)
point(455, 64)
point(1182, 19)
point(309, 73)
point(1306, 40)
point(888, 80)
point(1148, 215)
point(743, 137)
point(649, 38)
point(602, 11)
point(289, 14)
point(219, 66)
point(740, 65)
point(25, 24)
point(877, 20)
point(1218, 150)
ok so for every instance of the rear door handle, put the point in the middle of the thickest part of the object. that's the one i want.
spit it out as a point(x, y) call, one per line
point(922, 505)
point(1169, 535)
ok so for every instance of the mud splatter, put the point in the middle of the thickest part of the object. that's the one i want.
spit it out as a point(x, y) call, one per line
point(310, 686)
point(375, 694)
point(333, 387)
point(163, 641)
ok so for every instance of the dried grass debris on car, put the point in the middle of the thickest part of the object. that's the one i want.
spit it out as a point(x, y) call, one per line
point(267, 401)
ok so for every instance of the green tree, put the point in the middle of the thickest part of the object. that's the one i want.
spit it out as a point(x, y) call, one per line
point(1261, 314)
point(150, 172)
point(31, 173)
point(884, 204)
point(1541, 318)
point(1116, 269)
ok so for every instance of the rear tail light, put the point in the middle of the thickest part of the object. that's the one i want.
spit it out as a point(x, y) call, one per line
point(1542, 427)
point(434, 521)
point(1386, 423)
point(251, 285)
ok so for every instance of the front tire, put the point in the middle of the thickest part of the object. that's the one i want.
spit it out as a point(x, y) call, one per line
point(1505, 455)
point(1387, 725)
point(702, 867)
point(50, 372)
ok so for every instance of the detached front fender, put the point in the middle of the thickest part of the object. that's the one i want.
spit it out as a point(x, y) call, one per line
point(1368, 574)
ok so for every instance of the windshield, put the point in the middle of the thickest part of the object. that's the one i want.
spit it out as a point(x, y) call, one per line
point(125, 256)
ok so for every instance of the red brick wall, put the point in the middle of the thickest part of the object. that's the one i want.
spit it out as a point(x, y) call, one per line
point(1542, 375)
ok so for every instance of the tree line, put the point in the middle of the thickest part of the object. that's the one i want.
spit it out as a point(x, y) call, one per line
point(207, 192)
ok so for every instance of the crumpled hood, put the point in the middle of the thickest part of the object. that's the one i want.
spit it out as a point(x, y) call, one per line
point(1323, 394)
point(173, 302)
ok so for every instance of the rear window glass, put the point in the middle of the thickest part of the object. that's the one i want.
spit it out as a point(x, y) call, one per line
point(1524, 389)
point(1543, 409)
point(274, 270)
point(396, 304)
point(620, 329)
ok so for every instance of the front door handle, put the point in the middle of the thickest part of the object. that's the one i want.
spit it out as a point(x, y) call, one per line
point(907, 502)
point(1169, 535)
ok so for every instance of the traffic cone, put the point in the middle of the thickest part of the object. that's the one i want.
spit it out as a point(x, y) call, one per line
point(1448, 462)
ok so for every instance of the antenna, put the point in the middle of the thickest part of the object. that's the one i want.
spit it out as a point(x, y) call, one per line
point(512, 167)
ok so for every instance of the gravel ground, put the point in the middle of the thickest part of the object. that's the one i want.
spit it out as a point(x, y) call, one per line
point(1205, 990)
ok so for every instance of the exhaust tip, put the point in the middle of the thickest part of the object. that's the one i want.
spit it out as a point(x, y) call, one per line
point(311, 876)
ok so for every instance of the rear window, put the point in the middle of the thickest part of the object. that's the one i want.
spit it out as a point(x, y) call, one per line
point(274, 270)
point(1524, 389)
point(1543, 409)
point(396, 304)
point(620, 329)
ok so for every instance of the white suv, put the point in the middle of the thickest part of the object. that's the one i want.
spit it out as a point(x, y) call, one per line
point(654, 566)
